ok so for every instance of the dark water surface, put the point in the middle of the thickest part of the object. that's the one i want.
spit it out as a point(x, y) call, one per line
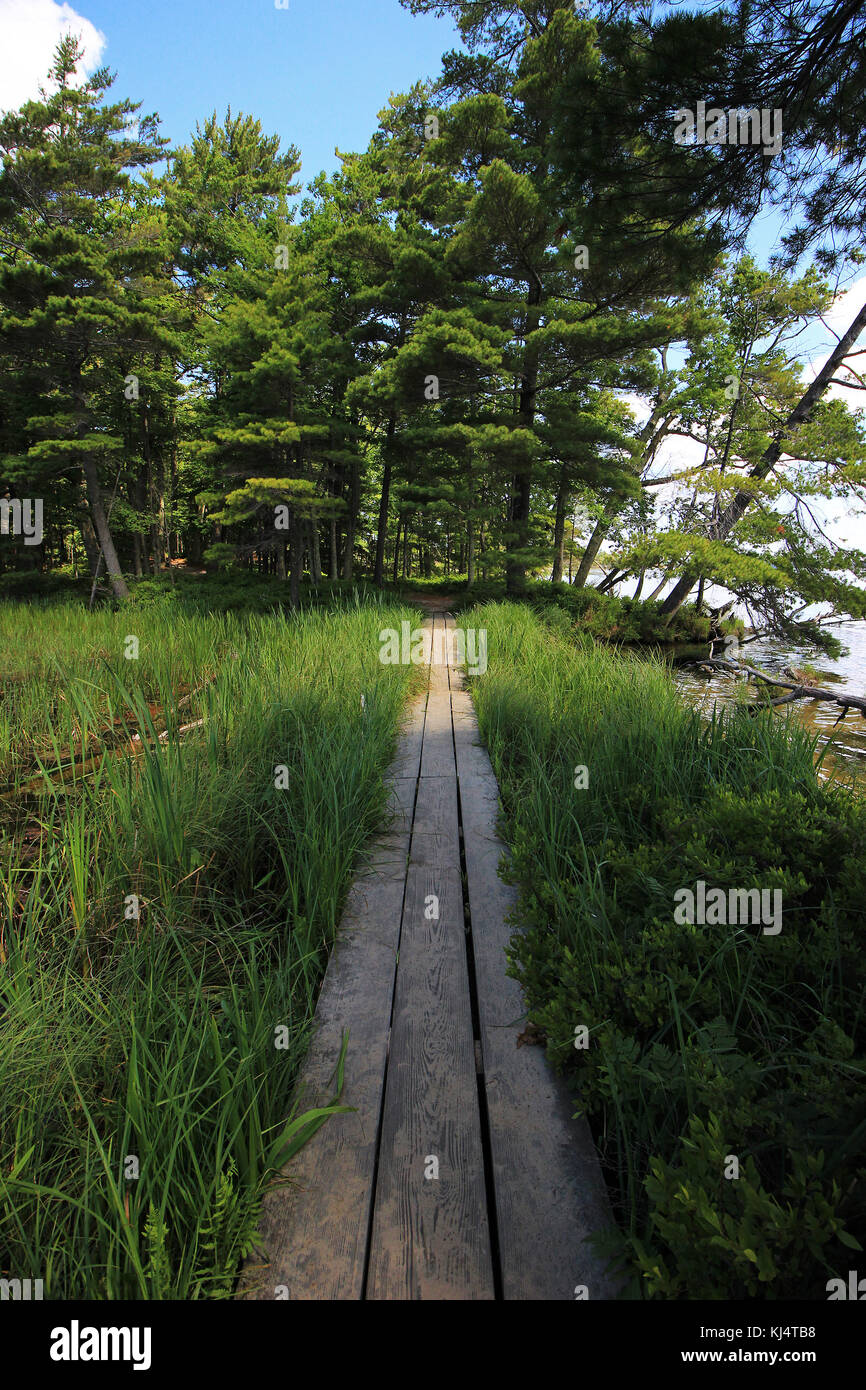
point(846, 755)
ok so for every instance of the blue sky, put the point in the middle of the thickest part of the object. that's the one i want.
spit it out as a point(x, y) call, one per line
point(316, 73)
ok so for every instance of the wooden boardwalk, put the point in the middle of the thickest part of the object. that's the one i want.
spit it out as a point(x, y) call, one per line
point(461, 1173)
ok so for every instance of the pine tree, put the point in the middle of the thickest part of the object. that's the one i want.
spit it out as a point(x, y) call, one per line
point(73, 278)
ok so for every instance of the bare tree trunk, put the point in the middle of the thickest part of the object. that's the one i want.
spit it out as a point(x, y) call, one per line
point(296, 555)
point(397, 547)
point(354, 501)
point(315, 553)
point(100, 524)
point(592, 548)
point(334, 565)
point(384, 499)
point(658, 588)
point(521, 489)
point(88, 537)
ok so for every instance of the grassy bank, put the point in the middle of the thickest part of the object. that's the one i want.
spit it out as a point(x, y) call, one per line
point(188, 591)
point(705, 1043)
point(606, 617)
point(166, 913)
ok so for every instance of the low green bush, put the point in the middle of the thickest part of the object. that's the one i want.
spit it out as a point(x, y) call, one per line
point(623, 621)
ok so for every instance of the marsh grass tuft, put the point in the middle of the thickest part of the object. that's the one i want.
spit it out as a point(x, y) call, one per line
point(148, 1044)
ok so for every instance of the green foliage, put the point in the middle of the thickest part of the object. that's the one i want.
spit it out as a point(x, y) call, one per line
point(732, 1237)
point(705, 1040)
point(607, 618)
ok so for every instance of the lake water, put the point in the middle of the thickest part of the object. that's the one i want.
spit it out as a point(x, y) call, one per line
point(847, 755)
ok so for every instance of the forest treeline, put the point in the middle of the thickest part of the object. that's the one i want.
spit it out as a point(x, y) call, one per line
point(422, 364)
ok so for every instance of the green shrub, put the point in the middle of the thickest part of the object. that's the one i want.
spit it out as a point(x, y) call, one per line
point(704, 1040)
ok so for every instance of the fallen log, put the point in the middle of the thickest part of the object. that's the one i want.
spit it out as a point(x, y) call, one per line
point(134, 748)
point(798, 690)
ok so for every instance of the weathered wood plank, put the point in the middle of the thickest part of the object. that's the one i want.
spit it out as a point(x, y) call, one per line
point(407, 758)
point(439, 656)
point(417, 1096)
point(472, 757)
point(549, 1190)
point(430, 1237)
point(437, 756)
point(550, 1194)
point(435, 831)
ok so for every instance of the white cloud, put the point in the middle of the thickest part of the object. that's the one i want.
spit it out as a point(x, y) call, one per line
point(842, 311)
point(846, 305)
point(31, 30)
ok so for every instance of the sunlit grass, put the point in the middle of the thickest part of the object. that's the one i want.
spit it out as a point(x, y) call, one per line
point(143, 1099)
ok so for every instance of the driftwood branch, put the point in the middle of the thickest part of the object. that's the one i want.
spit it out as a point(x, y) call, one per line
point(798, 691)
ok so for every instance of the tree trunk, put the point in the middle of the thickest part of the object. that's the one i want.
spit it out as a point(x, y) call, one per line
point(354, 501)
point(397, 548)
point(88, 538)
point(100, 524)
point(153, 501)
point(382, 533)
point(593, 547)
point(315, 553)
point(470, 553)
point(658, 588)
point(521, 489)
point(559, 533)
point(296, 555)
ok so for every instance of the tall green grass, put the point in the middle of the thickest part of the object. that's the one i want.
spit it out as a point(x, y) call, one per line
point(705, 1041)
point(147, 1065)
